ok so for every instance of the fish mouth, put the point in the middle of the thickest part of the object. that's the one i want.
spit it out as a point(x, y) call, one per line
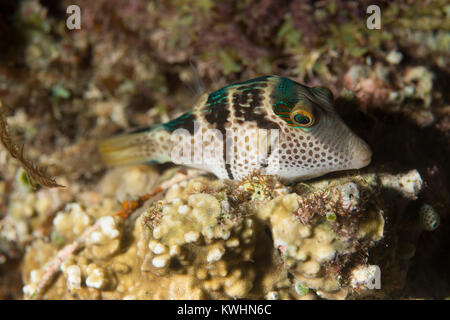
point(366, 161)
point(363, 161)
point(364, 156)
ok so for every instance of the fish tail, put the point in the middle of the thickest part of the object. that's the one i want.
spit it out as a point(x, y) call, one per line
point(146, 146)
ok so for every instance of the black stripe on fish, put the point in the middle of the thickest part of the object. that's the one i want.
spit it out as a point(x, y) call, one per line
point(216, 113)
point(248, 106)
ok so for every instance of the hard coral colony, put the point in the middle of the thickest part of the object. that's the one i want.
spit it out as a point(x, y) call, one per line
point(207, 239)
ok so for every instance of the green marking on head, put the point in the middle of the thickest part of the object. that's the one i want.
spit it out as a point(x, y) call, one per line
point(284, 94)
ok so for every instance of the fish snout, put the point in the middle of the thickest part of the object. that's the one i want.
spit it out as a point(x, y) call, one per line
point(362, 154)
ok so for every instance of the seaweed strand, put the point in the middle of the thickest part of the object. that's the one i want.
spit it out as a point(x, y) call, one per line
point(35, 173)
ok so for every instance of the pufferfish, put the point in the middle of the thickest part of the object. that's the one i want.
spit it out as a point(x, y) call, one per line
point(270, 124)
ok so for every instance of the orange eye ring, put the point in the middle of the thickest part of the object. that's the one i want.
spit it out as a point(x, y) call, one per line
point(302, 118)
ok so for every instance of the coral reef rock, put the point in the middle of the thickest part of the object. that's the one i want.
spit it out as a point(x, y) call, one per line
point(214, 239)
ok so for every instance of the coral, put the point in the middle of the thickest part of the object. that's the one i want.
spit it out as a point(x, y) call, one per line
point(196, 237)
point(314, 248)
point(206, 239)
point(408, 185)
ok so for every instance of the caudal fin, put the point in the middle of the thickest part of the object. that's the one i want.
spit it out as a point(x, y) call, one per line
point(135, 148)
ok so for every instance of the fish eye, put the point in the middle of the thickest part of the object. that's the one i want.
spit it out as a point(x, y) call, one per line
point(301, 117)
